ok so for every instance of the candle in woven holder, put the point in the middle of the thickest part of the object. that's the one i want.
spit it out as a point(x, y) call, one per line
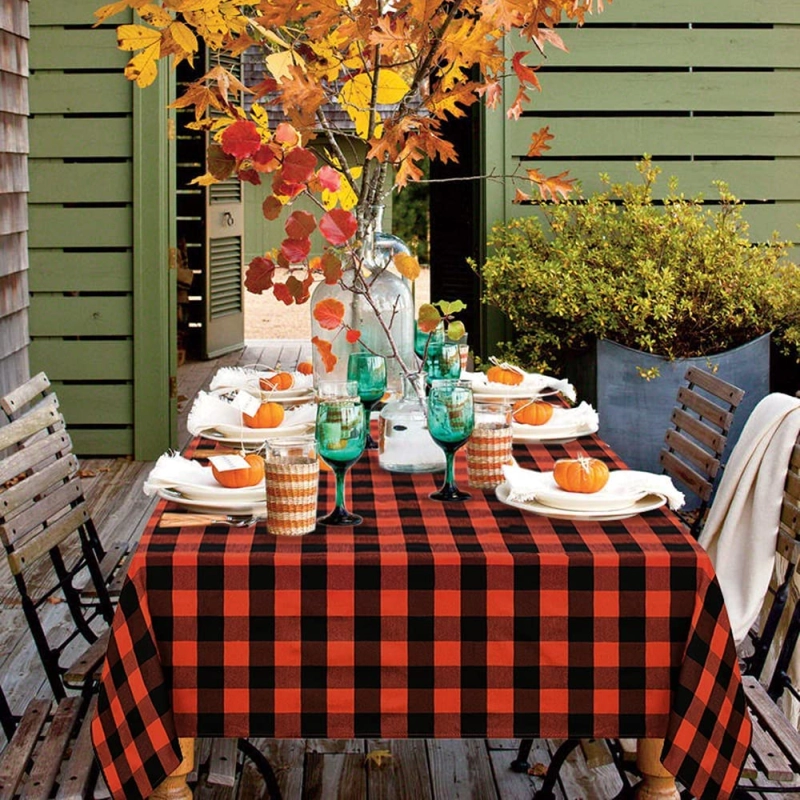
point(489, 447)
point(291, 469)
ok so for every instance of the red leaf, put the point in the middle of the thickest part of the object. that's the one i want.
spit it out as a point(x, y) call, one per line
point(259, 275)
point(298, 289)
point(264, 159)
point(241, 139)
point(524, 73)
point(352, 336)
point(296, 250)
point(329, 179)
point(331, 267)
point(281, 291)
point(338, 226)
point(325, 349)
point(283, 187)
point(251, 176)
point(286, 134)
point(271, 207)
point(298, 165)
point(329, 313)
point(266, 86)
point(300, 225)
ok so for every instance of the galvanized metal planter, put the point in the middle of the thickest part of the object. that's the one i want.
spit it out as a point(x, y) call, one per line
point(634, 406)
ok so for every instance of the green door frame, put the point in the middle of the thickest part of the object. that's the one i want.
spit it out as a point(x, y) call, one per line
point(154, 273)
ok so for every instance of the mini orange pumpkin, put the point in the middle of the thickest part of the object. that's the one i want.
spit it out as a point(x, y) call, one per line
point(279, 382)
point(269, 415)
point(246, 476)
point(585, 475)
point(305, 368)
point(532, 412)
point(510, 377)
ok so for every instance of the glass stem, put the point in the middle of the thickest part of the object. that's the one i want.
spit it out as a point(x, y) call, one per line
point(449, 471)
point(339, 472)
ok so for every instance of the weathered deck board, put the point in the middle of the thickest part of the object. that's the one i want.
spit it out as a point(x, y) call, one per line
point(311, 769)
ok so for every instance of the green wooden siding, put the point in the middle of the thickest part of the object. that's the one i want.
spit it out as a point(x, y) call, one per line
point(100, 305)
point(709, 89)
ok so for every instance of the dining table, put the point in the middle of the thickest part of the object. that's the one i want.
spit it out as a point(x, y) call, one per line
point(430, 620)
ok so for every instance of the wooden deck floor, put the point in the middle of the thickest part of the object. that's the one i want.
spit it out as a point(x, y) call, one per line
point(309, 769)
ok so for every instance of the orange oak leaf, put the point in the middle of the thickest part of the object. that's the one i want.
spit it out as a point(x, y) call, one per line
point(325, 350)
point(539, 142)
point(271, 207)
point(300, 225)
point(555, 188)
point(241, 139)
point(296, 250)
point(524, 73)
point(521, 197)
point(201, 97)
point(259, 274)
point(281, 291)
point(329, 313)
point(338, 226)
point(298, 165)
point(352, 335)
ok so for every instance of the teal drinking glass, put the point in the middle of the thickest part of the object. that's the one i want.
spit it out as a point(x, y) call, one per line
point(443, 362)
point(369, 372)
point(340, 440)
point(451, 418)
point(421, 339)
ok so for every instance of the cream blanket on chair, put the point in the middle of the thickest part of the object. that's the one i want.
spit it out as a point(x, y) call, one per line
point(741, 531)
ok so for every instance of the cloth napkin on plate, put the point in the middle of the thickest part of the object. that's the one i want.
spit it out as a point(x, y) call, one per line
point(228, 378)
point(534, 381)
point(173, 471)
point(525, 483)
point(213, 413)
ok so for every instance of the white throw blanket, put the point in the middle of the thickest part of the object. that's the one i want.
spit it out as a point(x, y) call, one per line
point(742, 527)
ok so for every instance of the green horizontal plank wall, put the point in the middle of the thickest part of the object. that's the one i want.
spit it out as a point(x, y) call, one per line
point(99, 237)
point(709, 89)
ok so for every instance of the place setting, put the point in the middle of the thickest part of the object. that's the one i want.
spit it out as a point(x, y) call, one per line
point(504, 381)
point(279, 386)
point(539, 421)
point(584, 488)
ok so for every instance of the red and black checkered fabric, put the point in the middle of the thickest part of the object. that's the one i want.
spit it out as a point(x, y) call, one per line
point(429, 620)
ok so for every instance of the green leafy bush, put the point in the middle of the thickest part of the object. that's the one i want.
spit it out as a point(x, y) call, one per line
point(677, 278)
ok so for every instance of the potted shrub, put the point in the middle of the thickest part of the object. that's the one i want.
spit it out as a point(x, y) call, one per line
point(619, 290)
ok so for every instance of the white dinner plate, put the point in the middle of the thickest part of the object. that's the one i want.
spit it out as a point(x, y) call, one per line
point(499, 391)
point(238, 435)
point(647, 503)
point(615, 495)
point(222, 506)
point(213, 492)
point(560, 428)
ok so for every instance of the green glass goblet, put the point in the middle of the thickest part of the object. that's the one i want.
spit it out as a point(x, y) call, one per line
point(369, 372)
point(443, 362)
point(451, 418)
point(340, 440)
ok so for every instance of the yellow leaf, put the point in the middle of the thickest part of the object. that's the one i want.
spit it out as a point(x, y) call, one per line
point(137, 37)
point(183, 37)
point(204, 180)
point(356, 96)
point(377, 757)
point(155, 15)
point(143, 67)
point(392, 88)
point(109, 10)
point(345, 197)
point(279, 64)
point(407, 266)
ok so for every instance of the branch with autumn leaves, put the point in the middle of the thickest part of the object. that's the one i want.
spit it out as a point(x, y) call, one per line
point(397, 68)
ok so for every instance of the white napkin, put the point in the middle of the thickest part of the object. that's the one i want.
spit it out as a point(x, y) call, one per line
point(525, 483)
point(247, 378)
point(581, 418)
point(532, 381)
point(173, 471)
point(213, 413)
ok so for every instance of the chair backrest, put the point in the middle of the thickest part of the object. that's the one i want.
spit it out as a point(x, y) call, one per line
point(694, 445)
point(26, 396)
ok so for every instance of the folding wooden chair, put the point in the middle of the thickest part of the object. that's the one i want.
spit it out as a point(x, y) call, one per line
point(50, 544)
point(695, 442)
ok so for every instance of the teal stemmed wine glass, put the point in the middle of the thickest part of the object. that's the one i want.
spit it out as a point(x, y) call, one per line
point(340, 440)
point(369, 372)
point(443, 361)
point(451, 418)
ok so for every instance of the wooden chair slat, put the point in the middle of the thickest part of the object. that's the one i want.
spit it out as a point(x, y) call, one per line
point(705, 408)
point(18, 398)
point(693, 452)
point(790, 514)
point(113, 560)
point(596, 753)
point(697, 429)
point(750, 770)
point(51, 751)
point(115, 585)
point(714, 385)
point(222, 763)
point(81, 769)
point(18, 751)
point(25, 524)
point(56, 444)
point(776, 744)
point(85, 666)
point(30, 552)
point(23, 428)
point(794, 461)
point(686, 475)
point(792, 487)
point(34, 485)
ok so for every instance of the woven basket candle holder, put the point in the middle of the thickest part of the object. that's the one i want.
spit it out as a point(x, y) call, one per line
point(488, 449)
point(291, 496)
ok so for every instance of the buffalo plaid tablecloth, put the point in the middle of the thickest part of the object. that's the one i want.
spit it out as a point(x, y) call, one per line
point(429, 620)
